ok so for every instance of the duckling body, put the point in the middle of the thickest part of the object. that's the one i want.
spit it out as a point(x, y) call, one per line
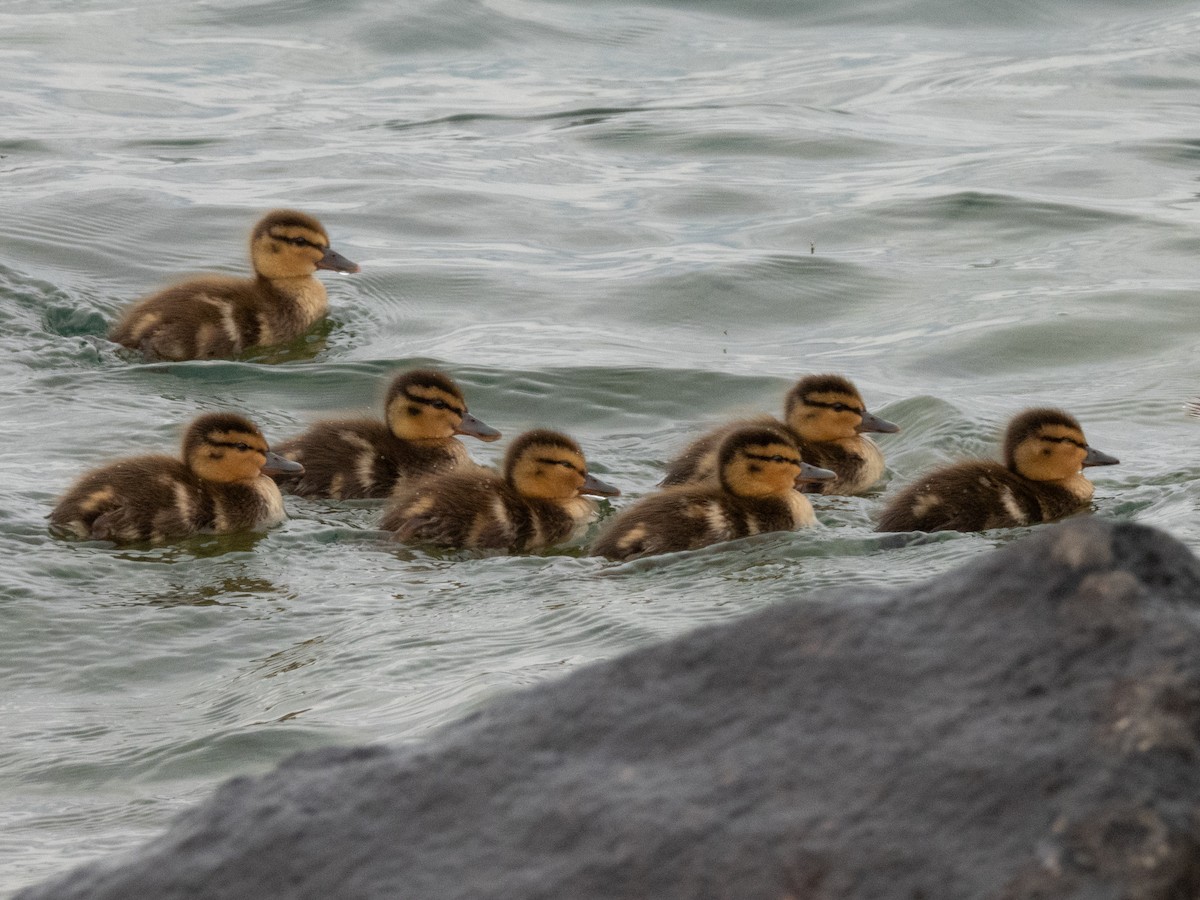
point(363, 458)
point(1040, 480)
point(219, 316)
point(758, 469)
point(826, 417)
point(219, 486)
point(535, 503)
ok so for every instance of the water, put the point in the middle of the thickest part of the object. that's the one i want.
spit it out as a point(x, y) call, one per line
point(624, 221)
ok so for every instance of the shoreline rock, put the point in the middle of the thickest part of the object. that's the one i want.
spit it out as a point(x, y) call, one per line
point(1025, 726)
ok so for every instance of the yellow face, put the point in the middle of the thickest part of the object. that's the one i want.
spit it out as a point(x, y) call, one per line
point(762, 470)
point(288, 251)
point(1051, 453)
point(825, 416)
point(425, 413)
point(549, 473)
point(229, 456)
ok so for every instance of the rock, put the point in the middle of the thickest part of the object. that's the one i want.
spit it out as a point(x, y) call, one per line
point(1027, 726)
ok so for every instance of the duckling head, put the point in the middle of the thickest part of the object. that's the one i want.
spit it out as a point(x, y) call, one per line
point(425, 405)
point(226, 448)
point(548, 465)
point(290, 244)
point(763, 462)
point(826, 408)
point(1048, 445)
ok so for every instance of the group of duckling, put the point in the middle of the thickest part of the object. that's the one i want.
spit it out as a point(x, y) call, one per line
point(743, 478)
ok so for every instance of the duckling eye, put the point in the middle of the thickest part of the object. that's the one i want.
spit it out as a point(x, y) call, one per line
point(440, 404)
point(241, 446)
point(295, 241)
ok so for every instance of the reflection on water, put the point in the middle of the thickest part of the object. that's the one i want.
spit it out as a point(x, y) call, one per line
point(218, 593)
point(304, 653)
point(200, 546)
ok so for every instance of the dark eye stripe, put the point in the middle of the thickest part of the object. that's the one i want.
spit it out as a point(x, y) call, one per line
point(839, 406)
point(1062, 440)
point(434, 401)
point(545, 460)
point(776, 458)
point(235, 445)
point(298, 242)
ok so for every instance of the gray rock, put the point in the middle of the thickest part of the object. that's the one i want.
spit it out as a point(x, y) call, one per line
point(1026, 726)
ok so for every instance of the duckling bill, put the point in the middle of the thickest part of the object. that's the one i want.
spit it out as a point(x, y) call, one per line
point(826, 418)
point(1039, 481)
point(215, 316)
point(424, 412)
point(759, 469)
point(221, 484)
point(539, 499)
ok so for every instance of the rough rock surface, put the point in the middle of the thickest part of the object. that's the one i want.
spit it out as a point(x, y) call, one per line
point(1026, 726)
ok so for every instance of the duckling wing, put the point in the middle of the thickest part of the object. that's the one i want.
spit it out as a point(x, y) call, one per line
point(125, 523)
point(973, 496)
point(627, 537)
point(360, 459)
point(665, 522)
point(349, 459)
point(151, 498)
point(459, 510)
point(449, 528)
point(121, 525)
point(415, 528)
point(205, 318)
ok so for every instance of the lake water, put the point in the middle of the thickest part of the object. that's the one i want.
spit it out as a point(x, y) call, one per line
point(627, 221)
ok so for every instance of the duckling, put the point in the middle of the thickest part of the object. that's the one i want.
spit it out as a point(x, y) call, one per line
point(1040, 480)
point(758, 469)
point(826, 417)
point(220, 485)
point(536, 502)
point(218, 316)
point(364, 458)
